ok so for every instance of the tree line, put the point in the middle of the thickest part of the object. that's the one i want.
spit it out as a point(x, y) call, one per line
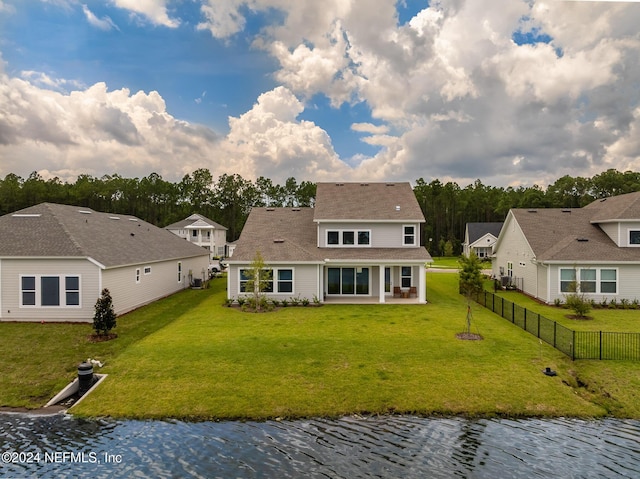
point(229, 198)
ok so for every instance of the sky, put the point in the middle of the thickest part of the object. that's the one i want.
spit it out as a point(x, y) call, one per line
point(511, 92)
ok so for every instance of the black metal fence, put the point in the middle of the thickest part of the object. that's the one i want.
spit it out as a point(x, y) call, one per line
point(575, 344)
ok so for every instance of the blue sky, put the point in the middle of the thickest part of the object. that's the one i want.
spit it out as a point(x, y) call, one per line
point(512, 92)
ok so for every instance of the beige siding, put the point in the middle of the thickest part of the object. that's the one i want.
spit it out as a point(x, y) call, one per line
point(624, 232)
point(383, 235)
point(162, 281)
point(12, 269)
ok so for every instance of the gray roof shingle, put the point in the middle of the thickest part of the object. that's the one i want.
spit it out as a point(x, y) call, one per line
point(478, 230)
point(367, 201)
point(571, 235)
point(53, 230)
point(290, 235)
point(182, 224)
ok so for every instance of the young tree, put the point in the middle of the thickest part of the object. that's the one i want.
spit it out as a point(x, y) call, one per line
point(576, 300)
point(104, 319)
point(259, 279)
point(471, 282)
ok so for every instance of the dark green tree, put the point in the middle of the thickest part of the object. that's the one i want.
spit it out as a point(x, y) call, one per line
point(471, 282)
point(104, 319)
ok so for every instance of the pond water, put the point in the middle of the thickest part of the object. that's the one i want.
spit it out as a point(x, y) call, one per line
point(351, 447)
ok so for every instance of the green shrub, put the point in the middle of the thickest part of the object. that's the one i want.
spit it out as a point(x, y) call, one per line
point(104, 319)
point(578, 304)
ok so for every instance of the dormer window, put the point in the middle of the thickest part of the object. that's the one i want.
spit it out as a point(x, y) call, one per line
point(634, 237)
point(333, 237)
point(349, 238)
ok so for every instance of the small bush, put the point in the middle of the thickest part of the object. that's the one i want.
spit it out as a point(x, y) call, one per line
point(104, 319)
point(557, 302)
point(305, 301)
point(578, 304)
point(316, 300)
point(275, 303)
point(228, 302)
point(613, 304)
point(294, 301)
point(241, 300)
point(284, 303)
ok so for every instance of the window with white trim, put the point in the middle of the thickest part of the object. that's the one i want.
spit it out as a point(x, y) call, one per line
point(634, 237)
point(147, 270)
point(265, 278)
point(589, 280)
point(137, 275)
point(285, 281)
point(405, 276)
point(179, 271)
point(49, 291)
point(349, 237)
point(409, 235)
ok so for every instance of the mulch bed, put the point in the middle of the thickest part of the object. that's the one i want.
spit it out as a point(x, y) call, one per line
point(469, 336)
point(101, 338)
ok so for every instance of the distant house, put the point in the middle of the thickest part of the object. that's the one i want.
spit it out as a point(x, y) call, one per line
point(480, 238)
point(361, 242)
point(547, 251)
point(204, 232)
point(55, 260)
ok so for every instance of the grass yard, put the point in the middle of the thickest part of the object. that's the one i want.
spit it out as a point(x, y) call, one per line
point(189, 357)
point(601, 319)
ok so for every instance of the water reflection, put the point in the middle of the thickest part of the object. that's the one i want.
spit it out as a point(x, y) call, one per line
point(352, 447)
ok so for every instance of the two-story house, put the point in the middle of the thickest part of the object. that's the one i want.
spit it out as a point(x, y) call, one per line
point(204, 232)
point(360, 243)
point(547, 251)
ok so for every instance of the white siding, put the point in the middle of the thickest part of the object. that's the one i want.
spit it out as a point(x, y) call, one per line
point(612, 230)
point(628, 282)
point(624, 233)
point(514, 248)
point(12, 269)
point(163, 281)
point(383, 235)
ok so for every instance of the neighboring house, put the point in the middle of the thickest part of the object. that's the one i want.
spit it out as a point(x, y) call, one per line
point(361, 242)
point(56, 259)
point(546, 251)
point(480, 238)
point(203, 232)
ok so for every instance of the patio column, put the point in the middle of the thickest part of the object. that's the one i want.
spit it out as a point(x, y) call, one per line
point(422, 292)
point(381, 282)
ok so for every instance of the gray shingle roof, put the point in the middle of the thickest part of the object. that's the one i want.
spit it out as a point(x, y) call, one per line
point(53, 230)
point(568, 235)
point(290, 235)
point(367, 201)
point(182, 224)
point(622, 207)
point(478, 230)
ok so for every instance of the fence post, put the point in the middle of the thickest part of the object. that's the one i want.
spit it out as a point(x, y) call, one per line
point(600, 345)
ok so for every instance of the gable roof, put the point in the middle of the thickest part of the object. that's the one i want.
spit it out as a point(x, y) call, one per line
point(568, 235)
point(475, 231)
point(290, 235)
point(54, 230)
point(195, 220)
point(366, 201)
point(616, 208)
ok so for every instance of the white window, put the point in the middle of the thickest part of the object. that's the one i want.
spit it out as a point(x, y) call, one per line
point(147, 270)
point(589, 280)
point(634, 237)
point(277, 280)
point(179, 271)
point(405, 276)
point(409, 235)
point(50, 291)
point(285, 281)
point(265, 278)
point(349, 237)
point(137, 275)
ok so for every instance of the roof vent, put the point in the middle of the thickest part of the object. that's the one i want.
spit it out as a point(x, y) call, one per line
point(364, 184)
point(132, 234)
point(26, 215)
point(84, 212)
point(113, 218)
point(133, 219)
point(566, 211)
point(391, 184)
point(270, 209)
point(603, 200)
point(532, 211)
point(339, 184)
point(295, 209)
point(397, 207)
point(582, 240)
point(278, 240)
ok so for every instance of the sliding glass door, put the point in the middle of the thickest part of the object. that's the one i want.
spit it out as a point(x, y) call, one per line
point(347, 280)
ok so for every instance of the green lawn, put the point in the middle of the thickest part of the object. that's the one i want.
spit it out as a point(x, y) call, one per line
point(600, 319)
point(187, 356)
